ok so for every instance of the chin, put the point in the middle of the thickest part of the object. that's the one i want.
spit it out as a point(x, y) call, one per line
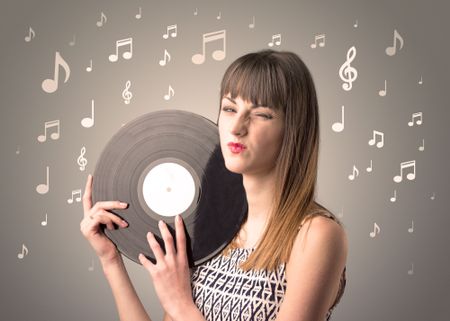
point(234, 168)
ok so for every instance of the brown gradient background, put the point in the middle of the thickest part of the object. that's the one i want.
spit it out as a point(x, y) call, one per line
point(53, 281)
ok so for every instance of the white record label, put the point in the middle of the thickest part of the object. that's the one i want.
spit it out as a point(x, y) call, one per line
point(168, 189)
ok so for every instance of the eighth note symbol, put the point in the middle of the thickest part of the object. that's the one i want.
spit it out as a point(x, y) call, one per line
point(170, 93)
point(275, 39)
point(75, 192)
point(321, 39)
point(374, 139)
point(410, 176)
point(390, 51)
point(31, 35)
point(352, 175)
point(376, 230)
point(127, 54)
point(24, 252)
point(81, 161)
point(51, 85)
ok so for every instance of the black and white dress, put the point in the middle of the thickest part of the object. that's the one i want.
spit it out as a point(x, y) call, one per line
point(224, 292)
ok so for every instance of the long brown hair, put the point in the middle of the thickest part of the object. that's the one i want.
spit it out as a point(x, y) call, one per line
point(280, 80)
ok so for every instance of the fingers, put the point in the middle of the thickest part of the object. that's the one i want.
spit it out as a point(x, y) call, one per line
point(156, 248)
point(180, 235)
point(109, 219)
point(167, 237)
point(87, 200)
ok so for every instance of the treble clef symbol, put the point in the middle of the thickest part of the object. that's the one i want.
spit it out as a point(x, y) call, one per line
point(127, 95)
point(348, 73)
point(82, 162)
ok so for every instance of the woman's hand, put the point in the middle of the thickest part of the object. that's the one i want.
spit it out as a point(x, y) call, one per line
point(170, 273)
point(96, 215)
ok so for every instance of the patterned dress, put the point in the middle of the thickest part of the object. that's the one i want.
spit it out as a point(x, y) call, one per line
point(224, 292)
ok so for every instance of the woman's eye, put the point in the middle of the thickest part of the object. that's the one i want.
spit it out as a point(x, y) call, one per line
point(227, 109)
point(266, 116)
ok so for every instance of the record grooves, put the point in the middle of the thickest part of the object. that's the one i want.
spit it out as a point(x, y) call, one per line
point(165, 163)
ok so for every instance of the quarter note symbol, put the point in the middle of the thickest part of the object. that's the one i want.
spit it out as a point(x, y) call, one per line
point(88, 122)
point(139, 14)
point(219, 15)
point(394, 198)
point(339, 126)
point(173, 34)
point(126, 94)
point(48, 125)
point(411, 272)
point(373, 140)
point(75, 192)
point(217, 54)
point(51, 85)
point(411, 229)
point(196, 11)
point(275, 39)
point(370, 168)
point(352, 175)
point(89, 68)
point(382, 92)
point(102, 20)
point(406, 165)
point(166, 59)
point(126, 54)
point(432, 197)
point(376, 230)
point(23, 253)
point(81, 161)
point(252, 25)
point(171, 93)
point(422, 147)
point(418, 121)
point(91, 267)
point(420, 81)
point(348, 73)
point(44, 223)
point(43, 188)
point(321, 39)
point(390, 51)
point(356, 24)
point(31, 35)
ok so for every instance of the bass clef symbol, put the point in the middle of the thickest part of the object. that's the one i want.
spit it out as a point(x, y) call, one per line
point(348, 73)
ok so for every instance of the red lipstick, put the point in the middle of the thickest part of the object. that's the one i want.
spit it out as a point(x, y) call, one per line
point(236, 148)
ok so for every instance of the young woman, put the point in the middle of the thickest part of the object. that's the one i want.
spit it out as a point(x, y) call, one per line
point(288, 261)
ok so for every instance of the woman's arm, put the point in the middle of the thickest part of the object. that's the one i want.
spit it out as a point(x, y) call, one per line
point(129, 306)
point(314, 269)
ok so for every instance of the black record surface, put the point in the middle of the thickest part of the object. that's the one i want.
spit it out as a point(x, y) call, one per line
point(170, 136)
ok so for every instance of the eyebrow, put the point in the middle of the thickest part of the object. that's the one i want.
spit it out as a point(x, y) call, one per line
point(251, 106)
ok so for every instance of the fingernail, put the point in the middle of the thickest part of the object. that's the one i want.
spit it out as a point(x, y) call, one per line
point(178, 218)
point(160, 223)
point(124, 223)
point(123, 204)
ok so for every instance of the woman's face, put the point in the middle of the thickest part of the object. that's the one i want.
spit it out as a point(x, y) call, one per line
point(258, 128)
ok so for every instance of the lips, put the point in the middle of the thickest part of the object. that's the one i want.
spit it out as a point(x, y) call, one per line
point(236, 147)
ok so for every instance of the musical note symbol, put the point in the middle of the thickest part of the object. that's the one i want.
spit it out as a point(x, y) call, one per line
point(72, 43)
point(171, 93)
point(139, 14)
point(390, 51)
point(195, 12)
point(376, 230)
point(277, 42)
point(219, 16)
point(411, 229)
point(23, 253)
point(126, 94)
point(339, 126)
point(173, 34)
point(411, 272)
point(166, 58)
point(44, 223)
point(356, 24)
point(252, 25)
point(81, 161)
point(91, 267)
point(420, 81)
point(348, 73)
point(416, 115)
point(341, 213)
point(352, 175)
point(422, 147)
point(88, 122)
point(370, 168)
point(382, 92)
point(394, 198)
point(43, 188)
point(321, 39)
point(89, 68)
point(18, 150)
point(217, 54)
point(432, 197)
point(51, 85)
point(375, 134)
point(47, 125)
point(127, 54)
point(410, 176)
point(75, 192)
point(31, 35)
point(102, 20)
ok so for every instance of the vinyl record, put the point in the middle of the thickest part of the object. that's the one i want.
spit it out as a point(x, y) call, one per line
point(166, 163)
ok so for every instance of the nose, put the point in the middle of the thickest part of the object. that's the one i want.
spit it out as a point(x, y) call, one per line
point(239, 126)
